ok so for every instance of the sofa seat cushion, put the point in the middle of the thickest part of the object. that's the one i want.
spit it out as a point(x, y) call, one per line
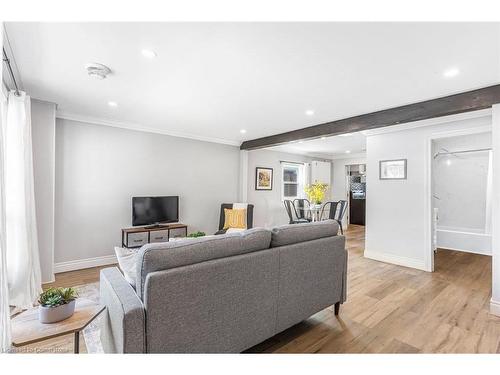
point(167, 255)
point(295, 233)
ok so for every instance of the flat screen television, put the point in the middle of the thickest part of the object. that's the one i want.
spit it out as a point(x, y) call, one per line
point(155, 210)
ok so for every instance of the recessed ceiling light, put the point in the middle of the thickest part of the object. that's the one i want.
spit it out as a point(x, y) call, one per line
point(309, 112)
point(147, 53)
point(301, 141)
point(243, 131)
point(345, 135)
point(323, 137)
point(451, 72)
point(113, 104)
point(348, 152)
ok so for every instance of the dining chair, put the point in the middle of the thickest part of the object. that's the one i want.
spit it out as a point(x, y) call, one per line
point(336, 211)
point(302, 207)
point(292, 213)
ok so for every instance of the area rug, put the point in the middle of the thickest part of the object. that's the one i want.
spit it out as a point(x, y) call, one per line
point(91, 333)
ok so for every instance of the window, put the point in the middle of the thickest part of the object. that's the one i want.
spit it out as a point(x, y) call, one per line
point(293, 181)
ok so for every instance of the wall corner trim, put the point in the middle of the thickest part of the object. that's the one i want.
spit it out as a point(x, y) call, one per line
point(494, 307)
point(142, 128)
point(429, 122)
point(396, 259)
point(84, 263)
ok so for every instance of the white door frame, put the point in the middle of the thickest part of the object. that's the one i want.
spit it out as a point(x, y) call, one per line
point(429, 253)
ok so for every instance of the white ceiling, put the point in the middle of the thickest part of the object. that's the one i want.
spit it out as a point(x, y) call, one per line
point(340, 146)
point(209, 80)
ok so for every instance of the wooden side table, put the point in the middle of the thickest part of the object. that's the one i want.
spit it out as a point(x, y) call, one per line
point(27, 329)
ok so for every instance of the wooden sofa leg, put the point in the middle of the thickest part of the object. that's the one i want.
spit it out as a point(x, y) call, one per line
point(337, 308)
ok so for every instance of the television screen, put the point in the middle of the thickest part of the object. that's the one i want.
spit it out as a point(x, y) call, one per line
point(152, 210)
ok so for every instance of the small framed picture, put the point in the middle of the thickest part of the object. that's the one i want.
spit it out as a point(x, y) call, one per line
point(263, 178)
point(392, 169)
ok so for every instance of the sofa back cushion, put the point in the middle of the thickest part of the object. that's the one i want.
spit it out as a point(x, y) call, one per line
point(294, 233)
point(223, 305)
point(168, 255)
point(312, 276)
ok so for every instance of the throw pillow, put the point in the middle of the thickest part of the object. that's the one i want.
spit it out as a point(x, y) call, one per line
point(127, 259)
point(235, 218)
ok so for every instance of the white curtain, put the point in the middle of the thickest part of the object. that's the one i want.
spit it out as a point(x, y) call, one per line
point(23, 263)
point(4, 290)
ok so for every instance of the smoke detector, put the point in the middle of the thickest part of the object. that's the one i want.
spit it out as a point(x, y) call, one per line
point(97, 70)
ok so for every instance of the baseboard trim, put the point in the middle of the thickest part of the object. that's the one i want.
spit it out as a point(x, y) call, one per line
point(84, 263)
point(494, 308)
point(396, 259)
point(465, 251)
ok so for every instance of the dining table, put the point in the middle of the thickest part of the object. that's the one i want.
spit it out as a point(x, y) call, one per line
point(313, 211)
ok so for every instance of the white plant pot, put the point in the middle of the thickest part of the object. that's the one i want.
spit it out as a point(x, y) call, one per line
point(48, 314)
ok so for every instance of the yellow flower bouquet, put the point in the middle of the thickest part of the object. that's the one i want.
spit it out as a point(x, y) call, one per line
point(316, 192)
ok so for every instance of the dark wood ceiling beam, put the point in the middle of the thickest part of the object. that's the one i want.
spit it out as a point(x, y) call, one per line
point(449, 105)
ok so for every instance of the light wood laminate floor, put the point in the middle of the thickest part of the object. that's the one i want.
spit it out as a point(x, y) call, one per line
point(389, 309)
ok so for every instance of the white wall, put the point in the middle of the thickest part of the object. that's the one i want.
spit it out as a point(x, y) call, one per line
point(398, 218)
point(99, 169)
point(43, 125)
point(269, 210)
point(495, 243)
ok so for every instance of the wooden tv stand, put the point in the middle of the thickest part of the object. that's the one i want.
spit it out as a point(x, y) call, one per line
point(138, 236)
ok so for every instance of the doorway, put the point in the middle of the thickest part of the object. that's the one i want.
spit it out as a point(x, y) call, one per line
point(461, 188)
point(356, 193)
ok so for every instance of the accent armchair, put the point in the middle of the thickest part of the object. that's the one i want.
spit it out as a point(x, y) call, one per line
point(222, 218)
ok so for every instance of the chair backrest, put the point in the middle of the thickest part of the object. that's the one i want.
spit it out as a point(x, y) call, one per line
point(290, 210)
point(336, 209)
point(222, 218)
point(301, 205)
point(342, 209)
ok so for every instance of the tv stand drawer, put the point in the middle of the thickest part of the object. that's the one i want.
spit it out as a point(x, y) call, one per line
point(158, 236)
point(139, 236)
point(178, 232)
point(136, 239)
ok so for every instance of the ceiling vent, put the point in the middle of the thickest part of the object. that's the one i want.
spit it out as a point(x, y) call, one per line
point(97, 70)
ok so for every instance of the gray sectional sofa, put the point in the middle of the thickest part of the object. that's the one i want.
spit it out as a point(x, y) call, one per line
point(226, 293)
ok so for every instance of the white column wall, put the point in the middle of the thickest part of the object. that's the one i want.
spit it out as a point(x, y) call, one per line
point(43, 123)
point(495, 239)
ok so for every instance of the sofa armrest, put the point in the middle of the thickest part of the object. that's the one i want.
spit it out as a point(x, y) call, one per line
point(123, 325)
point(344, 277)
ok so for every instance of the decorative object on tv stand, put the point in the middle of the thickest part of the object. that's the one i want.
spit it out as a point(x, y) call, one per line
point(392, 169)
point(196, 234)
point(316, 192)
point(56, 304)
point(263, 178)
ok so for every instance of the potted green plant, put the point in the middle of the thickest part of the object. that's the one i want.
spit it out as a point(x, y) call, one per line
point(196, 234)
point(56, 304)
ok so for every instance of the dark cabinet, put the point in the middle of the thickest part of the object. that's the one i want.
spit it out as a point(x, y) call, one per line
point(357, 209)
